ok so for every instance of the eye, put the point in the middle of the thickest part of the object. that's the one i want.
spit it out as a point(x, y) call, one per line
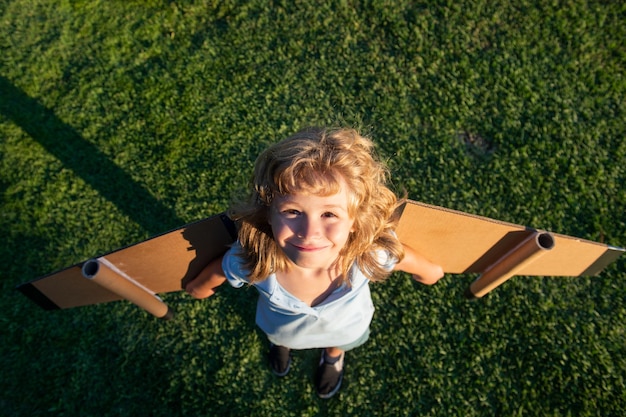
point(329, 214)
point(290, 213)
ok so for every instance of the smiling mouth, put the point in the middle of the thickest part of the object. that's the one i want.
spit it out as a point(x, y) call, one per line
point(308, 248)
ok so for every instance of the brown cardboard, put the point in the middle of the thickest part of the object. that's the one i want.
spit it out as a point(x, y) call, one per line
point(465, 243)
point(161, 264)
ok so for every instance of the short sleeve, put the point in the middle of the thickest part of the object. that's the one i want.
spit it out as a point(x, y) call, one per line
point(386, 261)
point(232, 265)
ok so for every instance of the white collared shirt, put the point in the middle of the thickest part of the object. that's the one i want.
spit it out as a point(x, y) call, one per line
point(339, 320)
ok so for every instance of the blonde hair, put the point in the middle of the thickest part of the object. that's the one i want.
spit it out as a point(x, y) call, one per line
point(315, 161)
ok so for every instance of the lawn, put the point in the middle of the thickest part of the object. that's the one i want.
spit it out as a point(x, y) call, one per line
point(121, 120)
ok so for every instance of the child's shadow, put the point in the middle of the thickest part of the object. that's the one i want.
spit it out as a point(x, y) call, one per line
point(85, 159)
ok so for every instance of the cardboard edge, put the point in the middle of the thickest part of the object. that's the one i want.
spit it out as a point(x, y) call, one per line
point(471, 215)
point(32, 292)
point(611, 254)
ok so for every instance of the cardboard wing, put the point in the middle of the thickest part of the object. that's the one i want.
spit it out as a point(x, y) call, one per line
point(459, 242)
point(463, 243)
point(138, 272)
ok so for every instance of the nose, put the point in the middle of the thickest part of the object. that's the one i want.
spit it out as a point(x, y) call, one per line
point(309, 228)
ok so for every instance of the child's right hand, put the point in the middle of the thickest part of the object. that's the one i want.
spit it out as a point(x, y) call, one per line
point(211, 277)
point(199, 289)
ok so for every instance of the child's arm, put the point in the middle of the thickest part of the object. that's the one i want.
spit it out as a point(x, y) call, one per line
point(423, 271)
point(211, 277)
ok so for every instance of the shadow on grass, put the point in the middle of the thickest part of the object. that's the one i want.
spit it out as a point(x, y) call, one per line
point(86, 160)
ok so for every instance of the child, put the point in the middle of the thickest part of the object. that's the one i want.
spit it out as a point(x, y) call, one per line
point(319, 226)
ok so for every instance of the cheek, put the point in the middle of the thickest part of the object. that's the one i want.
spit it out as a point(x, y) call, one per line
point(276, 229)
point(280, 228)
point(341, 232)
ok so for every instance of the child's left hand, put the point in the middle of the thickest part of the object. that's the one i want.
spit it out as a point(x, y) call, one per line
point(421, 269)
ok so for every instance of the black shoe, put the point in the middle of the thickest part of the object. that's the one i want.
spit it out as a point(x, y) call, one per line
point(280, 360)
point(329, 376)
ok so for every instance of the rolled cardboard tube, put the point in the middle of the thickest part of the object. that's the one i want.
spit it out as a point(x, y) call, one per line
point(511, 263)
point(106, 277)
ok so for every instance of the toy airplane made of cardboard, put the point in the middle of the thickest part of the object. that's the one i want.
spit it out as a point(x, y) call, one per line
point(461, 243)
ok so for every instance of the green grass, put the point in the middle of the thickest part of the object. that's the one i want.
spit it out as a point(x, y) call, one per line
point(120, 120)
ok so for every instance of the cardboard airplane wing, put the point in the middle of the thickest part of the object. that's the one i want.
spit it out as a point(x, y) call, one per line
point(463, 243)
point(460, 242)
point(138, 272)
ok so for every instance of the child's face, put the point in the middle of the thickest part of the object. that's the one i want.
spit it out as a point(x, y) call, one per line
point(311, 230)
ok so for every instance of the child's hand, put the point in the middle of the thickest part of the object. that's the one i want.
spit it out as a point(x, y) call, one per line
point(434, 274)
point(199, 289)
point(421, 269)
point(204, 285)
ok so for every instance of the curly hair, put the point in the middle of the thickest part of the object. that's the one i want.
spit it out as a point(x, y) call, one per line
point(315, 161)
